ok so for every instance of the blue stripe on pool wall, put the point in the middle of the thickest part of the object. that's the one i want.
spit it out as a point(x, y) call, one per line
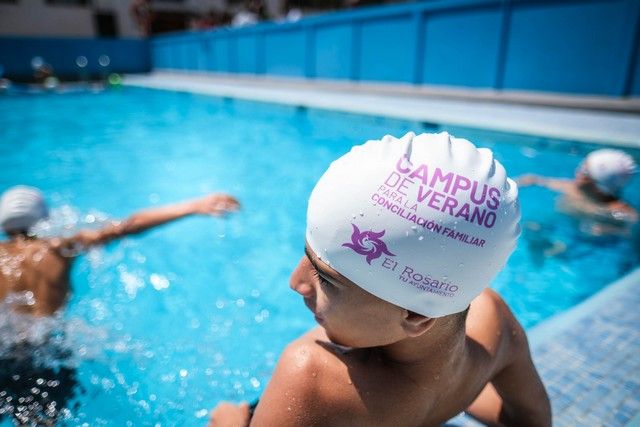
point(564, 46)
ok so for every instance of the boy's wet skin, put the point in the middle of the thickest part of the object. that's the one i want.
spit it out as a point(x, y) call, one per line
point(36, 266)
point(374, 363)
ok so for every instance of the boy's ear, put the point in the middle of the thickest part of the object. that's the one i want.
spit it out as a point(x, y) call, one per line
point(415, 324)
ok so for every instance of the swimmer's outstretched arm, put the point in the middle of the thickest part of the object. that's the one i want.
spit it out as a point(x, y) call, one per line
point(212, 204)
point(556, 184)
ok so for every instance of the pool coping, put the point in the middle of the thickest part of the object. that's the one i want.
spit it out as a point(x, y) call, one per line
point(600, 127)
point(556, 333)
point(556, 325)
point(630, 104)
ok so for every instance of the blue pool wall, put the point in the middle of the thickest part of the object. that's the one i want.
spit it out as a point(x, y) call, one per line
point(565, 46)
point(126, 55)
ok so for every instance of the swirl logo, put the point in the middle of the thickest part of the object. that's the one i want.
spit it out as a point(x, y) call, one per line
point(368, 243)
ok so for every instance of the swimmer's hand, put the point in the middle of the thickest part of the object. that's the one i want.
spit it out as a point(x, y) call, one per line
point(230, 415)
point(215, 204)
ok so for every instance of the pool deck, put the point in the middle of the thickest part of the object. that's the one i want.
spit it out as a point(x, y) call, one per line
point(589, 359)
point(589, 356)
point(588, 119)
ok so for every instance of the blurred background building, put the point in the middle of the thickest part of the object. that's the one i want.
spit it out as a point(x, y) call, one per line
point(132, 18)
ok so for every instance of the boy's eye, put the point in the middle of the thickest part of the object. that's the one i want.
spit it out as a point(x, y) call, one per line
point(322, 280)
point(325, 282)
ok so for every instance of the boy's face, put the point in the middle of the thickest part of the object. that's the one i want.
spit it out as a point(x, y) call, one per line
point(350, 315)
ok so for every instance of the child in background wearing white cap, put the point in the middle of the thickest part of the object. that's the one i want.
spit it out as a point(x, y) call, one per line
point(41, 266)
point(595, 192)
point(403, 237)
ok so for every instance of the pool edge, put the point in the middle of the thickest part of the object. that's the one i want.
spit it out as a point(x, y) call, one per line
point(595, 127)
point(559, 323)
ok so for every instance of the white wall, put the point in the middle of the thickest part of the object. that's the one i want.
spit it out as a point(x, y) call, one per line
point(35, 18)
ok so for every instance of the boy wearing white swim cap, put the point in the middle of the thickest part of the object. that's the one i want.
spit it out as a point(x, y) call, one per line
point(41, 266)
point(403, 237)
point(595, 192)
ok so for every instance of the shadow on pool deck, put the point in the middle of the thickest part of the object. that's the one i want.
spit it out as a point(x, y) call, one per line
point(589, 360)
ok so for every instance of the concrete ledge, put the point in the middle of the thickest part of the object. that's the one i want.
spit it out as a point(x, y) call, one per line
point(548, 99)
point(600, 127)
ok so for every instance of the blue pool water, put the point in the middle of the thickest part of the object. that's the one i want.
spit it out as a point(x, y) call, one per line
point(164, 326)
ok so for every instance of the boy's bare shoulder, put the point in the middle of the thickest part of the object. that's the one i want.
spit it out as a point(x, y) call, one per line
point(303, 358)
point(492, 325)
point(309, 378)
point(315, 364)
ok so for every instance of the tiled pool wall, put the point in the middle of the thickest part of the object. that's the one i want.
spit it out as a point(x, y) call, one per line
point(587, 358)
point(544, 45)
point(484, 44)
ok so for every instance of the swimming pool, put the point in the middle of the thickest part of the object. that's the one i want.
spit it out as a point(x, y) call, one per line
point(164, 326)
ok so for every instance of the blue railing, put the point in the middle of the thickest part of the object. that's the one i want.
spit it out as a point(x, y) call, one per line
point(119, 55)
point(566, 46)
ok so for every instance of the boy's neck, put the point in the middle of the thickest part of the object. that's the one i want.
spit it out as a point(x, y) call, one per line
point(437, 350)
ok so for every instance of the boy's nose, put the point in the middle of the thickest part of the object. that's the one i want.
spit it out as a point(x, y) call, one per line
point(300, 280)
point(303, 288)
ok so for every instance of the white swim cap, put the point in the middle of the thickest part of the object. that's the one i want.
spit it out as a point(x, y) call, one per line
point(610, 169)
point(20, 208)
point(424, 222)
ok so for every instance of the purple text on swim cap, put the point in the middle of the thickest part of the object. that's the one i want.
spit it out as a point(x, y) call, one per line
point(422, 280)
point(437, 189)
point(368, 243)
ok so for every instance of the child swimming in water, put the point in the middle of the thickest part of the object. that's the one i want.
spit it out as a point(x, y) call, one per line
point(41, 266)
point(409, 334)
point(594, 195)
point(32, 392)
